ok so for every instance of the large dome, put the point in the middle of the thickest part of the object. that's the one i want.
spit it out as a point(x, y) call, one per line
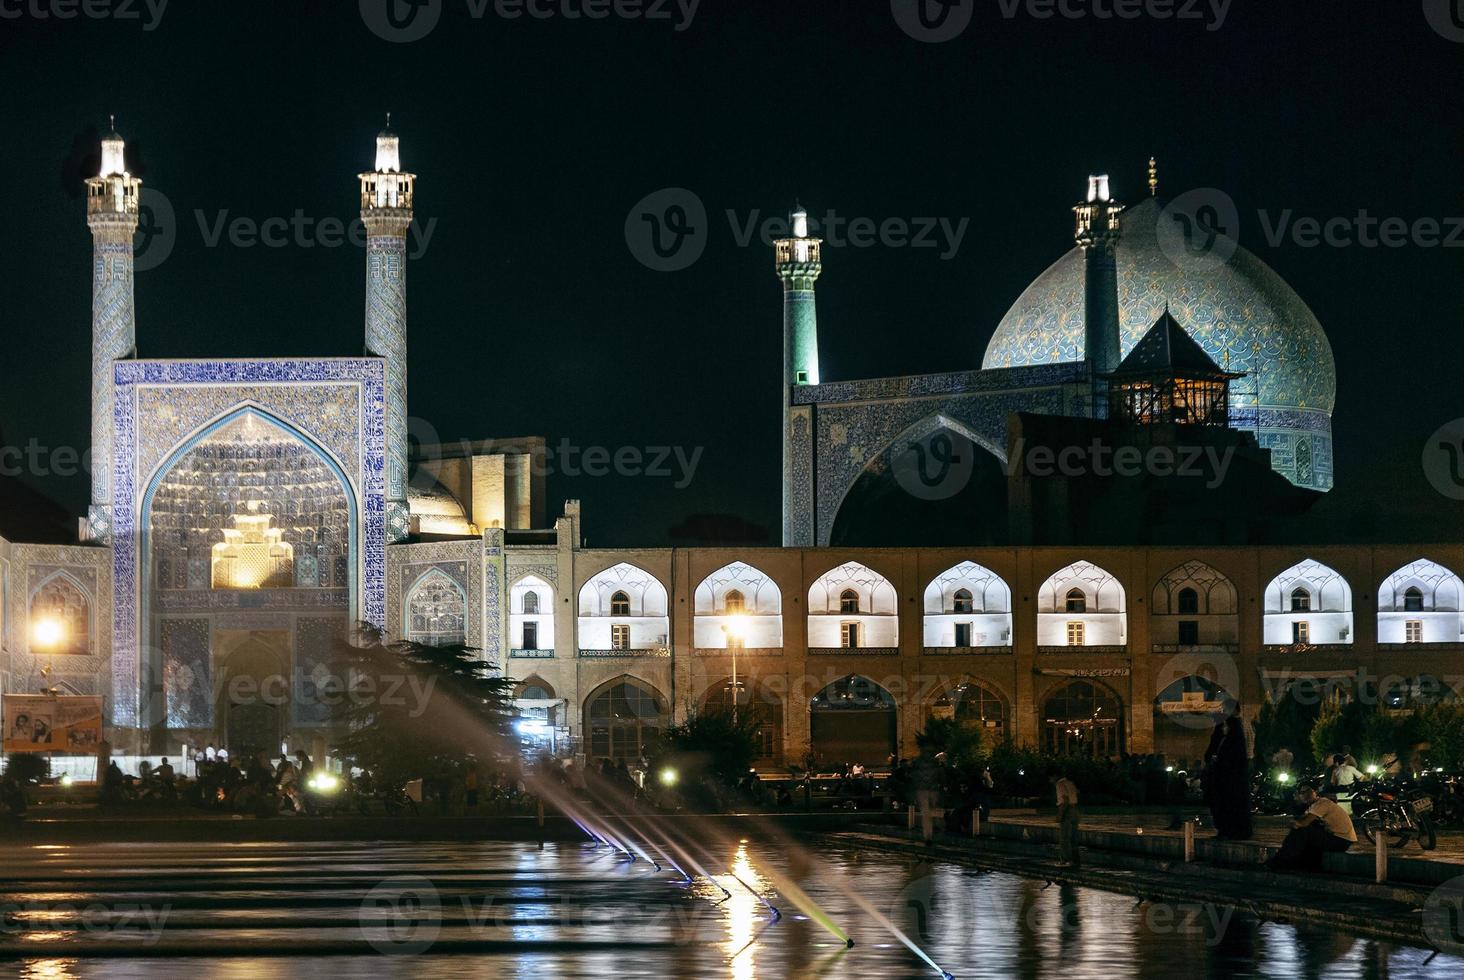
point(1244, 315)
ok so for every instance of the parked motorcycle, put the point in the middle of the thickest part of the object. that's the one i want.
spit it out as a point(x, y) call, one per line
point(1398, 810)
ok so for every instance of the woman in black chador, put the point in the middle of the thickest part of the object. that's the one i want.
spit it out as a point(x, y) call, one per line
point(1227, 777)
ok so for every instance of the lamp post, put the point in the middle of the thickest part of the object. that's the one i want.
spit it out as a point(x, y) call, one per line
point(733, 630)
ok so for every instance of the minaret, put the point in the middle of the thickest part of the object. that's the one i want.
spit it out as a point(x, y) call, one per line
point(386, 211)
point(799, 262)
point(111, 213)
point(1098, 235)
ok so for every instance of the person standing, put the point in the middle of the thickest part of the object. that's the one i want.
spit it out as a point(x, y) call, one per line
point(1231, 782)
point(1066, 792)
point(926, 780)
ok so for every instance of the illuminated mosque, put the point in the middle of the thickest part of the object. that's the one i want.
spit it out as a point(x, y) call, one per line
point(247, 511)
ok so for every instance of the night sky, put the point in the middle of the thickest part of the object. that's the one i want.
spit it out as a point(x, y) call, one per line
point(529, 314)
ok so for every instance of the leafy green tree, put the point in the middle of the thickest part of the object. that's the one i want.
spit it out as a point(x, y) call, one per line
point(711, 752)
point(412, 711)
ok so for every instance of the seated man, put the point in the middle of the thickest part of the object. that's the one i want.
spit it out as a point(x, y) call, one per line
point(1325, 828)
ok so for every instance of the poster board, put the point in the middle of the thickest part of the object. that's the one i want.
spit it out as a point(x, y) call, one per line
point(43, 723)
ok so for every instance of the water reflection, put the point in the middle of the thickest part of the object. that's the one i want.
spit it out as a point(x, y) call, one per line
point(575, 914)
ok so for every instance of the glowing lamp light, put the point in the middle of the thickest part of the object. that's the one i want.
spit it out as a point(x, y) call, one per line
point(66, 780)
point(114, 152)
point(48, 632)
point(1169, 769)
point(531, 727)
point(1283, 777)
point(1372, 770)
point(669, 777)
point(324, 782)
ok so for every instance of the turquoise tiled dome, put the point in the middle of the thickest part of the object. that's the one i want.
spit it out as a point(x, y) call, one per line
point(1242, 313)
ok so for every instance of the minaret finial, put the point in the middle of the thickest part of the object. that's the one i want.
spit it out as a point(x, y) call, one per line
point(388, 121)
point(112, 122)
point(1153, 178)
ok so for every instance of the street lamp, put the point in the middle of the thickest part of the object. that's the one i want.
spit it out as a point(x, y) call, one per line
point(734, 629)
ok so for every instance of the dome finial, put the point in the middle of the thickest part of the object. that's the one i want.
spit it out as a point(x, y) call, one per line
point(1153, 178)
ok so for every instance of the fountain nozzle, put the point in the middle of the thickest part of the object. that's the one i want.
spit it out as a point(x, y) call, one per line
point(849, 944)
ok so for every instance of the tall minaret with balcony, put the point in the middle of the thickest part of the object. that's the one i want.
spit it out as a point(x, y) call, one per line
point(799, 263)
point(111, 213)
point(1098, 235)
point(386, 211)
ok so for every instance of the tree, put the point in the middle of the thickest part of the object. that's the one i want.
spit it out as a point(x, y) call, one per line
point(960, 743)
point(417, 711)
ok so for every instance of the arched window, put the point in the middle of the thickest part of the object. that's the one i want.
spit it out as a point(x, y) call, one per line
point(1300, 600)
point(620, 604)
point(1076, 601)
point(531, 603)
point(736, 605)
point(1413, 599)
point(849, 601)
point(963, 601)
point(1189, 601)
point(1082, 719)
point(625, 720)
point(436, 611)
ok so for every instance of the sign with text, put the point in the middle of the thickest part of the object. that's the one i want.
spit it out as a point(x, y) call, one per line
point(42, 723)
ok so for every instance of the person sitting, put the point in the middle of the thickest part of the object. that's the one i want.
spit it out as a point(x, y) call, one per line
point(1325, 828)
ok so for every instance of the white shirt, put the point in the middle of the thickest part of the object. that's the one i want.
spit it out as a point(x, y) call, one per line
point(1334, 818)
point(1345, 775)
